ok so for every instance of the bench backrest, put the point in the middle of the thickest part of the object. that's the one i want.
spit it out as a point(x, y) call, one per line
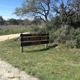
point(33, 39)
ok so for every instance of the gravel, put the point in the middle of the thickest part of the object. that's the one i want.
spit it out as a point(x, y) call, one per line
point(7, 72)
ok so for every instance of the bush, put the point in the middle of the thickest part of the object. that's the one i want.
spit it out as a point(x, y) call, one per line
point(39, 28)
point(71, 44)
point(44, 29)
point(61, 34)
point(65, 34)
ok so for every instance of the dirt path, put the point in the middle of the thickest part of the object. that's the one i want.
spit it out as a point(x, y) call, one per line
point(5, 37)
point(7, 72)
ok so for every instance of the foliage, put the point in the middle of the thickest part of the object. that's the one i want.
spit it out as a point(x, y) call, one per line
point(13, 29)
point(1, 20)
point(36, 8)
point(26, 22)
point(60, 34)
point(65, 34)
point(69, 12)
point(71, 43)
point(66, 12)
point(68, 35)
point(13, 22)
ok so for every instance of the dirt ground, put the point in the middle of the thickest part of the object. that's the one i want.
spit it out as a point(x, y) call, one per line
point(5, 37)
point(7, 72)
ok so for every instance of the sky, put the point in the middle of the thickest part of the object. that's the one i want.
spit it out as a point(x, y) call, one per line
point(7, 7)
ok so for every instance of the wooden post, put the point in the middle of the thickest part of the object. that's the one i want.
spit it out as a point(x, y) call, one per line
point(46, 46)
point(21, 49)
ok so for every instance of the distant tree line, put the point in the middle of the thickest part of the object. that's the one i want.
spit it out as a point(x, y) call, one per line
point(2, 21)
point(24, 22)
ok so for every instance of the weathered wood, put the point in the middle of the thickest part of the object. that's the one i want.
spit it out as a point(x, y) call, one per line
point(21, 49)
point(34, 43)
point(23, 35)
point(33, 39)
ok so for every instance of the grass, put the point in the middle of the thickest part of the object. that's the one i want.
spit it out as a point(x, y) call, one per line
point(12, 29)
point(55, 63)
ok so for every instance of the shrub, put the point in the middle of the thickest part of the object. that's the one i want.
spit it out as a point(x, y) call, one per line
point(71, 43)
point(61, 34)
point(65, 34)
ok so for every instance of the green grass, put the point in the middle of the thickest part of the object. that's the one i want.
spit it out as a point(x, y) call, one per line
point(55, 63)
point(12, 29)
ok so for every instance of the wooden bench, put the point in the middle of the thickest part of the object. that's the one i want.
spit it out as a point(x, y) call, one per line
point(33, 39)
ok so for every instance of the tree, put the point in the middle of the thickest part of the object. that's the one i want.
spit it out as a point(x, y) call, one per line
point(26, 22)
point(78, 8)
point(36, 8)
point(69, 12)
point(13, 22)
point(1, 20)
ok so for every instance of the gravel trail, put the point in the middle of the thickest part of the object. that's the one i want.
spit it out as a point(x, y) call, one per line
point(7, 72)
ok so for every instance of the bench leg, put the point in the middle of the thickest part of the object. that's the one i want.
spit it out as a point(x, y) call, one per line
point(21, 49)
point(46, 46)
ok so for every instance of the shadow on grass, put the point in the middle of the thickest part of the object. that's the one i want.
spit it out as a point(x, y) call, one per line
point(53, 46)
point(44, 49)
point(38, 50)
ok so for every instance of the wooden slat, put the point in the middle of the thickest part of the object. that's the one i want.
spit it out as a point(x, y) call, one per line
point(34, 43)
point(31, 38)
point(23, 35)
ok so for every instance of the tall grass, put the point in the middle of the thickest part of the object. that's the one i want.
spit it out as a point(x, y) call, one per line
point(12, 29)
